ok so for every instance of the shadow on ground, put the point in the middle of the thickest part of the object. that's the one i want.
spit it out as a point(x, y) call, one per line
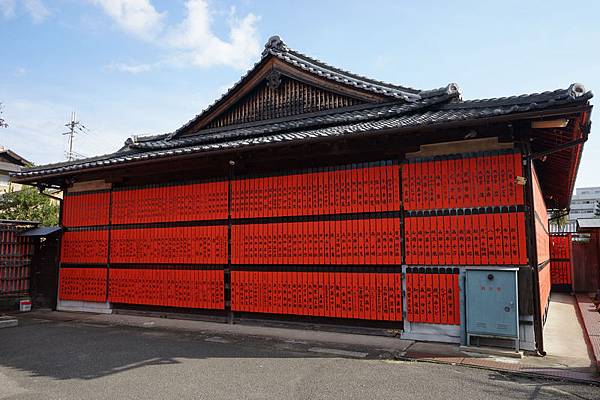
point(68, 350)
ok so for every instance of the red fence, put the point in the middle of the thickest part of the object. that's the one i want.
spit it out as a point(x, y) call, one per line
point(346, 222)
point(560, 259)
point(432, 295)
point(16, 253)
point(544, 286)
point(374, 296)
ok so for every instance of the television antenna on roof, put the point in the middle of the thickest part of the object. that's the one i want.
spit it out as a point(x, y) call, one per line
point(75, 127)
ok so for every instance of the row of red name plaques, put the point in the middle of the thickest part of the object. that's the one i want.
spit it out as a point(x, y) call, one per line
point(86, 209)
point(560, 247)
point(432, 295)
point(84, 247)
point(171, 203)
point(463, 181)
point(371, 296)
point(168, 286)
point(83, 284)
point(170, 245)
point(545, 286)
point(478, 239)
point(355, 188)
point(348, 241)
point(561, 272)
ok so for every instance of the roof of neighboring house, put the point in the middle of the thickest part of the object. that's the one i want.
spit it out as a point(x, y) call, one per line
point(588, 223)
point(41, 231)
point(11, 157)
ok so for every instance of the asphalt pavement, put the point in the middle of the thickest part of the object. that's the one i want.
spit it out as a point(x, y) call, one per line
point(44, 359)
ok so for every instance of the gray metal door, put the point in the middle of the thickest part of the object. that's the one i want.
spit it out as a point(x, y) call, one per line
point(491, 298)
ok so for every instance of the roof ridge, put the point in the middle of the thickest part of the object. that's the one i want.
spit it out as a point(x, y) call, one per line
point(347, 115)
point(575, 91)
point(276, 46)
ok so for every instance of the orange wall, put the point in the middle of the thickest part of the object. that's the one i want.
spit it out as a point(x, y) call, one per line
point(541, 221)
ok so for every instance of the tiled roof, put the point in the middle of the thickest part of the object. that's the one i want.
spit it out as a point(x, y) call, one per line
point(277, 48)
point(303, 121)
point(427, 112)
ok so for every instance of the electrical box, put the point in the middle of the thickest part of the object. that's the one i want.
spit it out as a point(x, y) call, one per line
point(492, 308)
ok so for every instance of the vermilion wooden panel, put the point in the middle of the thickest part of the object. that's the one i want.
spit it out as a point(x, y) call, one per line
point(83, 284)
point(468, 180)
point(168, 287)
point(86, 209)
point(432, 295)
point(376, 296)
point(372, 187)
point(480, 239)
point(303, 242)
point(180, 245)
point(171, 203)
point(84, 247)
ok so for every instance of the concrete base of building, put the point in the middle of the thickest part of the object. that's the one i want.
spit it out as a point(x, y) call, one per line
point(526, 333)
point(431, 332)
point(494, 351)
point(84, 306)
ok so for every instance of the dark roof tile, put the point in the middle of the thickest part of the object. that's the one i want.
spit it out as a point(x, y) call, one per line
point(391, 116)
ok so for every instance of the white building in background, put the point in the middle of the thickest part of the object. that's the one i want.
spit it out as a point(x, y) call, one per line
point(9, 162)
point(584, 202)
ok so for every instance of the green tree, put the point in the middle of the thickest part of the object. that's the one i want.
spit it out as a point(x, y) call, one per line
point(29, 204)
point(558, 217)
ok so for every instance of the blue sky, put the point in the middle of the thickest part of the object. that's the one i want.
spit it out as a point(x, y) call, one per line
point(148, 66)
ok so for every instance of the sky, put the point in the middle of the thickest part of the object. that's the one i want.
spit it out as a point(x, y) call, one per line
point(138, 67)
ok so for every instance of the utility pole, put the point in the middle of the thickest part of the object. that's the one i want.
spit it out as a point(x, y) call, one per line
point(74, 128)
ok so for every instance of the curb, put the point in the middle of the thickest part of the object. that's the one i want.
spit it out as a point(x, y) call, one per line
point(590, 319)
point(527, 374)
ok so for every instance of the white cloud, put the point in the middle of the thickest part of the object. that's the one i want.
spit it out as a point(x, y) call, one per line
point(131, 68)
point(20, 72)
point(7, 7)
point(138, 17)
point(203, 48)
point(35, 8)
point(192, 41)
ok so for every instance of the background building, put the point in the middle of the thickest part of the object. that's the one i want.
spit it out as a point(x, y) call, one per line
point(584, 202)
point(10, 162)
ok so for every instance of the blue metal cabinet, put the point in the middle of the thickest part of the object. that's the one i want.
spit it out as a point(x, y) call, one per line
point(492, 303)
